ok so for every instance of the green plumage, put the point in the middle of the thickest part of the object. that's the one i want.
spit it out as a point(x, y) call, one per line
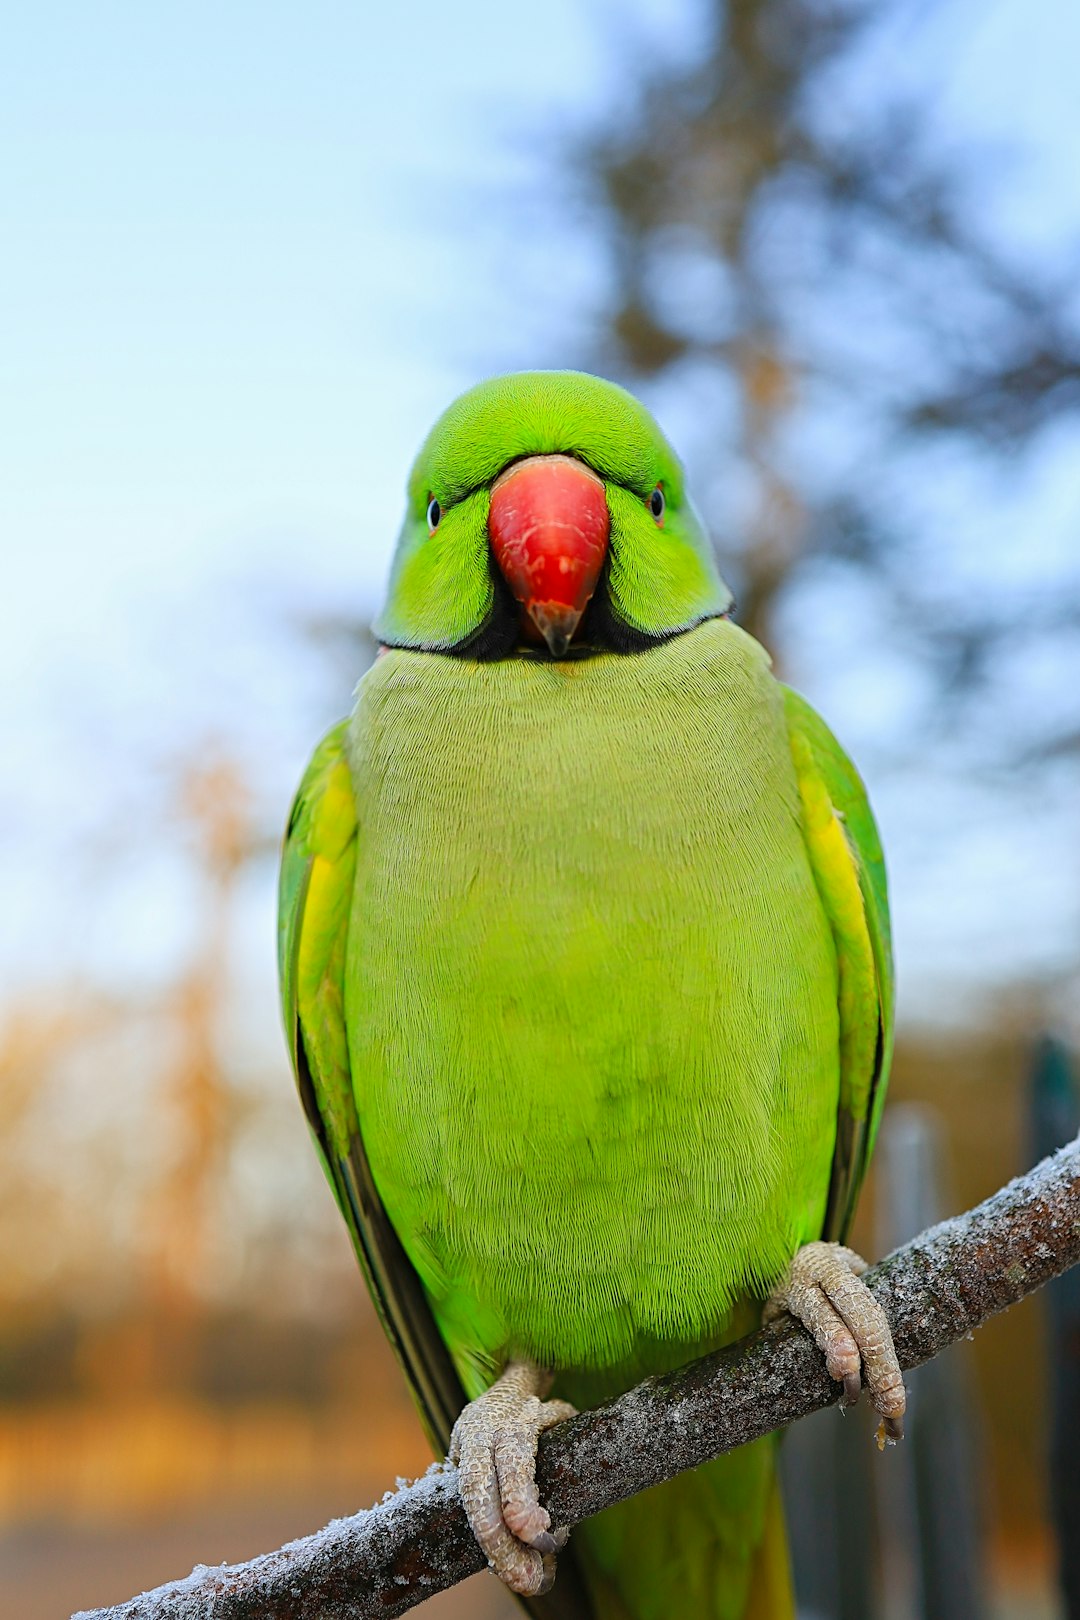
point(442, 588)
point(587, 966)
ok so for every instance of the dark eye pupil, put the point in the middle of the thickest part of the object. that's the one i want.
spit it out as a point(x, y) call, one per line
point(656, 503)
point(434, 513)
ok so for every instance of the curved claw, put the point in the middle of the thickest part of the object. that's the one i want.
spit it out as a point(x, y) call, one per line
point(494, 1447)
point(889, 1431)
point(824, 1290)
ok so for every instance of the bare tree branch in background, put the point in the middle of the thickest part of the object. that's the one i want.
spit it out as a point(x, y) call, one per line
point(800, 256)
point(416, 1543)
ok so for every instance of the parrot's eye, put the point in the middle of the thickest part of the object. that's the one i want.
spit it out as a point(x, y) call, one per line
point(657, 504)
point(434, 514)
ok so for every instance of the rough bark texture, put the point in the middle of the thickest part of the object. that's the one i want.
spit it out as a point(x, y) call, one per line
point(416, 1542)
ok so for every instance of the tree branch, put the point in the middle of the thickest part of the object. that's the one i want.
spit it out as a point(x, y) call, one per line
point(416, 1542)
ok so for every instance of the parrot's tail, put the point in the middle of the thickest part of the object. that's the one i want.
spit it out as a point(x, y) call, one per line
point(709, 1545)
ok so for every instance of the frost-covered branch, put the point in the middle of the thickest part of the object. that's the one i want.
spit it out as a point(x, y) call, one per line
point(416, 1542)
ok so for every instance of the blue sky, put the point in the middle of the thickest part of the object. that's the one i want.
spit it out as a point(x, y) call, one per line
point(249, 253)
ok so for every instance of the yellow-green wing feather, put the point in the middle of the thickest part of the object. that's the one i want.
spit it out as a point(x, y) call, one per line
point(845, 853)
point(315, 900)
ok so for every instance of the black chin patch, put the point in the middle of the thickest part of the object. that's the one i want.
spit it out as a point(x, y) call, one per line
point(601, 629)
point(498, 636)
point(604, 630)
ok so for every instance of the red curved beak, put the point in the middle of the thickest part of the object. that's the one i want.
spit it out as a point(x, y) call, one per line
point(548, 525)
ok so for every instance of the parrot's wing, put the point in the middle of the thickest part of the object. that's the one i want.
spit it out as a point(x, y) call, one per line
point(314, 903)
point(849, 869)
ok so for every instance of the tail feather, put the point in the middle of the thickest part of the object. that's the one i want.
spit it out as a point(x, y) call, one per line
point(709, 1545)
point(771, 1595)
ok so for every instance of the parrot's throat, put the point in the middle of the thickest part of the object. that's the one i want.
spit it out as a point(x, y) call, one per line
point(507, 634)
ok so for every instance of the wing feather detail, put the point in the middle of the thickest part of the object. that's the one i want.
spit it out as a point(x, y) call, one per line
point(315, 903)
point(845, 854)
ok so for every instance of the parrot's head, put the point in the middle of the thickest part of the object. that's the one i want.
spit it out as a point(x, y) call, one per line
point(547, 516)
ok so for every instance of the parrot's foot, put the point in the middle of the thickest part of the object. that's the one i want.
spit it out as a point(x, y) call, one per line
point(494, 1448)
point(823, 1289)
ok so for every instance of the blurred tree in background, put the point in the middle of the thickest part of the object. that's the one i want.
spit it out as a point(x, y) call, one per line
point(790, 245)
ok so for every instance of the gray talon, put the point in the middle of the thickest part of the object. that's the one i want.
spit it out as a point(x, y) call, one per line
point(494, 1446)
point(824, 1291)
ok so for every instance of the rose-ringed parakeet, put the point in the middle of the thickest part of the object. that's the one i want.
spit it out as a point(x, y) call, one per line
point(586, 972)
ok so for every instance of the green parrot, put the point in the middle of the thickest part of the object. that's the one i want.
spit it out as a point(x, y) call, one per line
point(586, 972)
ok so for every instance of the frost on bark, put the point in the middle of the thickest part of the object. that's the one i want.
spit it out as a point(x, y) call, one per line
point(416, 1542)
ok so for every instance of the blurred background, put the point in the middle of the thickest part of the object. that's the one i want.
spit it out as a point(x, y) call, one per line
point(249, 254)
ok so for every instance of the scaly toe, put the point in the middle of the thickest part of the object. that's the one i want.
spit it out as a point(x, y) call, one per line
point(824, 1290)
point(494, 1446)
